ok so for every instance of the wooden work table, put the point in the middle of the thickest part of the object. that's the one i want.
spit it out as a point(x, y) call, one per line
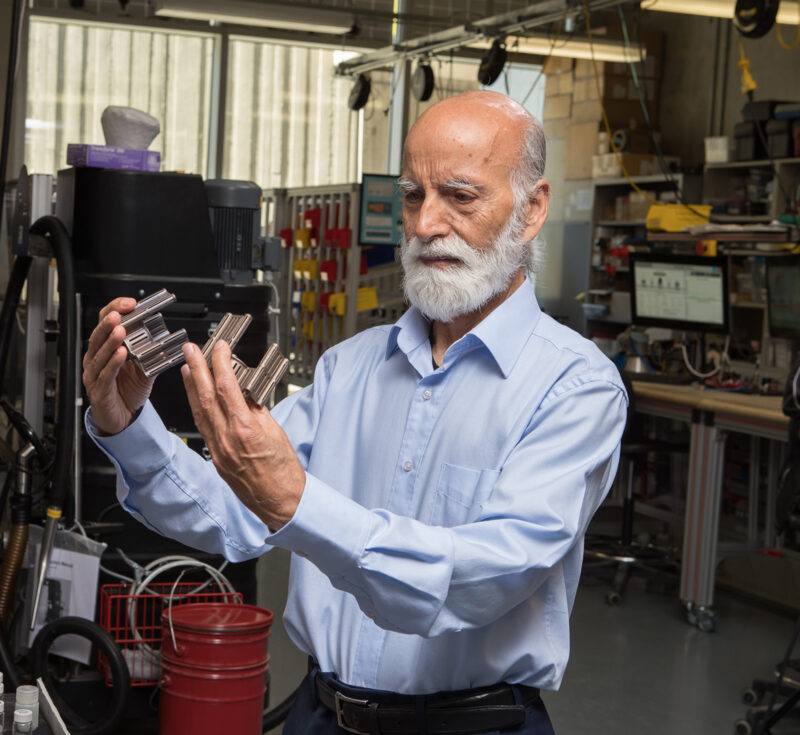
point(711, 415)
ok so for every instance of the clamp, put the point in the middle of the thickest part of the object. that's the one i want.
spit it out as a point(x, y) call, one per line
point(256, 383)
point(150, 344)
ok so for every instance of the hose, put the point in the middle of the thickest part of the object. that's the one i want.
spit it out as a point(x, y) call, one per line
point(53, 229)
point(16, 280)
point(12, 561)
point(278, 714)
point(109, 721)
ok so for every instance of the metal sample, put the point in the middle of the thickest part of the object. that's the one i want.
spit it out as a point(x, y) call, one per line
point(256, 383)
point(150, 344)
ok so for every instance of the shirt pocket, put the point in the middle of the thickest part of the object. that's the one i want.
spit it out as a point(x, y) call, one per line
point(460, 493)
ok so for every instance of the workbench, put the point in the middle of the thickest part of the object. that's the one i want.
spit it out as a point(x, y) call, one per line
point(711, 415)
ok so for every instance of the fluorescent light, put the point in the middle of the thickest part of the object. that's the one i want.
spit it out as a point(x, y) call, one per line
point(248, 13)
point(787, 11)
point(572, 48)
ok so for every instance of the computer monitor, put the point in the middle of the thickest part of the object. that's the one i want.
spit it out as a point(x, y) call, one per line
point(783, 295)
point(679, 292)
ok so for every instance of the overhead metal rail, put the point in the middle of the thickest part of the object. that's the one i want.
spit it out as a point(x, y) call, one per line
point(514, 22)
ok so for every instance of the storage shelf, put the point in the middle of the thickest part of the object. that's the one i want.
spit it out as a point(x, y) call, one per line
point(718, 236)
point(622, 223)
point(740, 219)
point(653, 179)
point(761, 163)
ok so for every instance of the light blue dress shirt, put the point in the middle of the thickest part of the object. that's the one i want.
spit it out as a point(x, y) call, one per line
point(439, 538)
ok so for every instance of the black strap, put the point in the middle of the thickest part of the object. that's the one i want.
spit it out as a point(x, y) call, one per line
point(495, 708)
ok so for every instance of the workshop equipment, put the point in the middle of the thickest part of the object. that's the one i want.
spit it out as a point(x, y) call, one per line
point(214, 662)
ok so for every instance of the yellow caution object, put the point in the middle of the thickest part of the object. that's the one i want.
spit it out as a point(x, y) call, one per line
point(308, 301)
point(337, 304)
point(306, 268)
point(54, 512)
point(367, 298)
point(308, 331)
point(675, 217)
point(302, 237)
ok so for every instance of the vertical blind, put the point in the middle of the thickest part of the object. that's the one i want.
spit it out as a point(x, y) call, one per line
point(286, 117)
point(286, 120)
point(75, 70)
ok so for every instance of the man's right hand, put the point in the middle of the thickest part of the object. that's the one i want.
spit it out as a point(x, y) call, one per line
point(116, 387)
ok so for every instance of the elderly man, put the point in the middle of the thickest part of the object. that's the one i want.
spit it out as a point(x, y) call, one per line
point(436, 480)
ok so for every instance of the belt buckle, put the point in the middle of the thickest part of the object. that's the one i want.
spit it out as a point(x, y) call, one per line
point(340, 698)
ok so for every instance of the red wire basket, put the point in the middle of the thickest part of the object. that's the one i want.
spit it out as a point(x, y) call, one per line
point(134, 621)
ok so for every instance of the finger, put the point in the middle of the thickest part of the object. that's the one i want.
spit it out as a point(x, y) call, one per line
point(108, 374)
point(200, 386)
point(122, 305)
point(103, 342)
point(93, 365)
point(230, 394)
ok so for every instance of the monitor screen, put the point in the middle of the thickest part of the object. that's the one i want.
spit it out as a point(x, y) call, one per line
point(783, 296)
point(679, 292)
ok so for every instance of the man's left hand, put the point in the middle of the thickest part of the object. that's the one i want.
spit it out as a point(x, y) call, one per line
point(250, 451)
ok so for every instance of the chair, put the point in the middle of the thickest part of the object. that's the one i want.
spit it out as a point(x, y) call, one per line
point(784, 690)
point(625, 551)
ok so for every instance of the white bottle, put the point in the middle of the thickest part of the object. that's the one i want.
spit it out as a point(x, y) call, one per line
point(23, 721)
point(2, 715)
point(28, 698)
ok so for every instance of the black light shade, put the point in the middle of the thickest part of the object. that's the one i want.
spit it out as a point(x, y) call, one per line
point(359, 94)
point(422, 82)
point(492, 63)
point(755, 18)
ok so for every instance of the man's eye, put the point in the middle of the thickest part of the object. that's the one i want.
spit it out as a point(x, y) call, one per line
point(463, 197)
point(412, 197)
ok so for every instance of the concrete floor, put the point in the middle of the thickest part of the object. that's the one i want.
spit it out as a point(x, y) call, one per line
point(636, 668)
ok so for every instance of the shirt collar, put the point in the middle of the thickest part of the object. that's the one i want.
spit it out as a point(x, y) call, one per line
point(504, 332)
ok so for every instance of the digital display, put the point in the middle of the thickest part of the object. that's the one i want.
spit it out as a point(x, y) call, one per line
point(783, 296)
point(679, 292)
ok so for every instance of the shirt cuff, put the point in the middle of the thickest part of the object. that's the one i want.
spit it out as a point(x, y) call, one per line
point(145, 443)
point(327, 528)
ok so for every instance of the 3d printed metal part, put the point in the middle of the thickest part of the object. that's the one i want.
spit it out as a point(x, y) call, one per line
point(150, 344)
point(256, 383)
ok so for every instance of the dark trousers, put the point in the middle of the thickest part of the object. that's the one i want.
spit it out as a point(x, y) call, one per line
point(309, 717)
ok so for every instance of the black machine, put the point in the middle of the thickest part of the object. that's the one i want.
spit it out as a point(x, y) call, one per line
point(134, 233)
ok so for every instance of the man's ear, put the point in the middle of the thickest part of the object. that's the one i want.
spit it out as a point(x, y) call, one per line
point(536, 210)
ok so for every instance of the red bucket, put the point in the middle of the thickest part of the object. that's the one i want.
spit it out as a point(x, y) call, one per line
point(213, 673)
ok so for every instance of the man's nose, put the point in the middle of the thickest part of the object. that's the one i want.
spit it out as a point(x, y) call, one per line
point(432, 220)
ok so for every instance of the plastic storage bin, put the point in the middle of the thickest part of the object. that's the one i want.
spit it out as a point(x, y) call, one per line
point(718, 149)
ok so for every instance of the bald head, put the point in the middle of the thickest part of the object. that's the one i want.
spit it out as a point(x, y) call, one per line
point(510, 133)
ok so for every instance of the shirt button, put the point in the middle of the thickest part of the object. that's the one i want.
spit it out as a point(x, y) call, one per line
point(408, 465)
point(427, 395)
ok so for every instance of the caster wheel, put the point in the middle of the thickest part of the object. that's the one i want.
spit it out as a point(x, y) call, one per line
point(613, 598)
point(742, 727)
point(750, 697)
point(707, 622)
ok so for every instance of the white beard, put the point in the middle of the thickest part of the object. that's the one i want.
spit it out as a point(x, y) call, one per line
point(442, 294)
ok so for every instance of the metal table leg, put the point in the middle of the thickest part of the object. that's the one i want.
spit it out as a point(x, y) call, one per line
point(701, 524)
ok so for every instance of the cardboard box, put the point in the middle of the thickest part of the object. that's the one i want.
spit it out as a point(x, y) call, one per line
point(608, 165)
point(565, 83)
point(581, 145)
point(551, 85)
point(109, 156)
point(557, 65)
point(584, 68)
point(558, 107)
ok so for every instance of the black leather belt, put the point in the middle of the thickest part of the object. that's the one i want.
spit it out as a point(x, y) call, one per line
point(472, 711)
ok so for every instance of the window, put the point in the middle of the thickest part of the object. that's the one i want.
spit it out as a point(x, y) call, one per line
point(75, 70)
point(286, 120)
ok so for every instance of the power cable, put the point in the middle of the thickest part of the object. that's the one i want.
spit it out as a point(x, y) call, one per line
point(648, 122)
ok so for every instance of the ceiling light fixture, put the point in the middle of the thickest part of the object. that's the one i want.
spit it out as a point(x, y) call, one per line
point(788, 13)
point(572, 48)
point(248, 13)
